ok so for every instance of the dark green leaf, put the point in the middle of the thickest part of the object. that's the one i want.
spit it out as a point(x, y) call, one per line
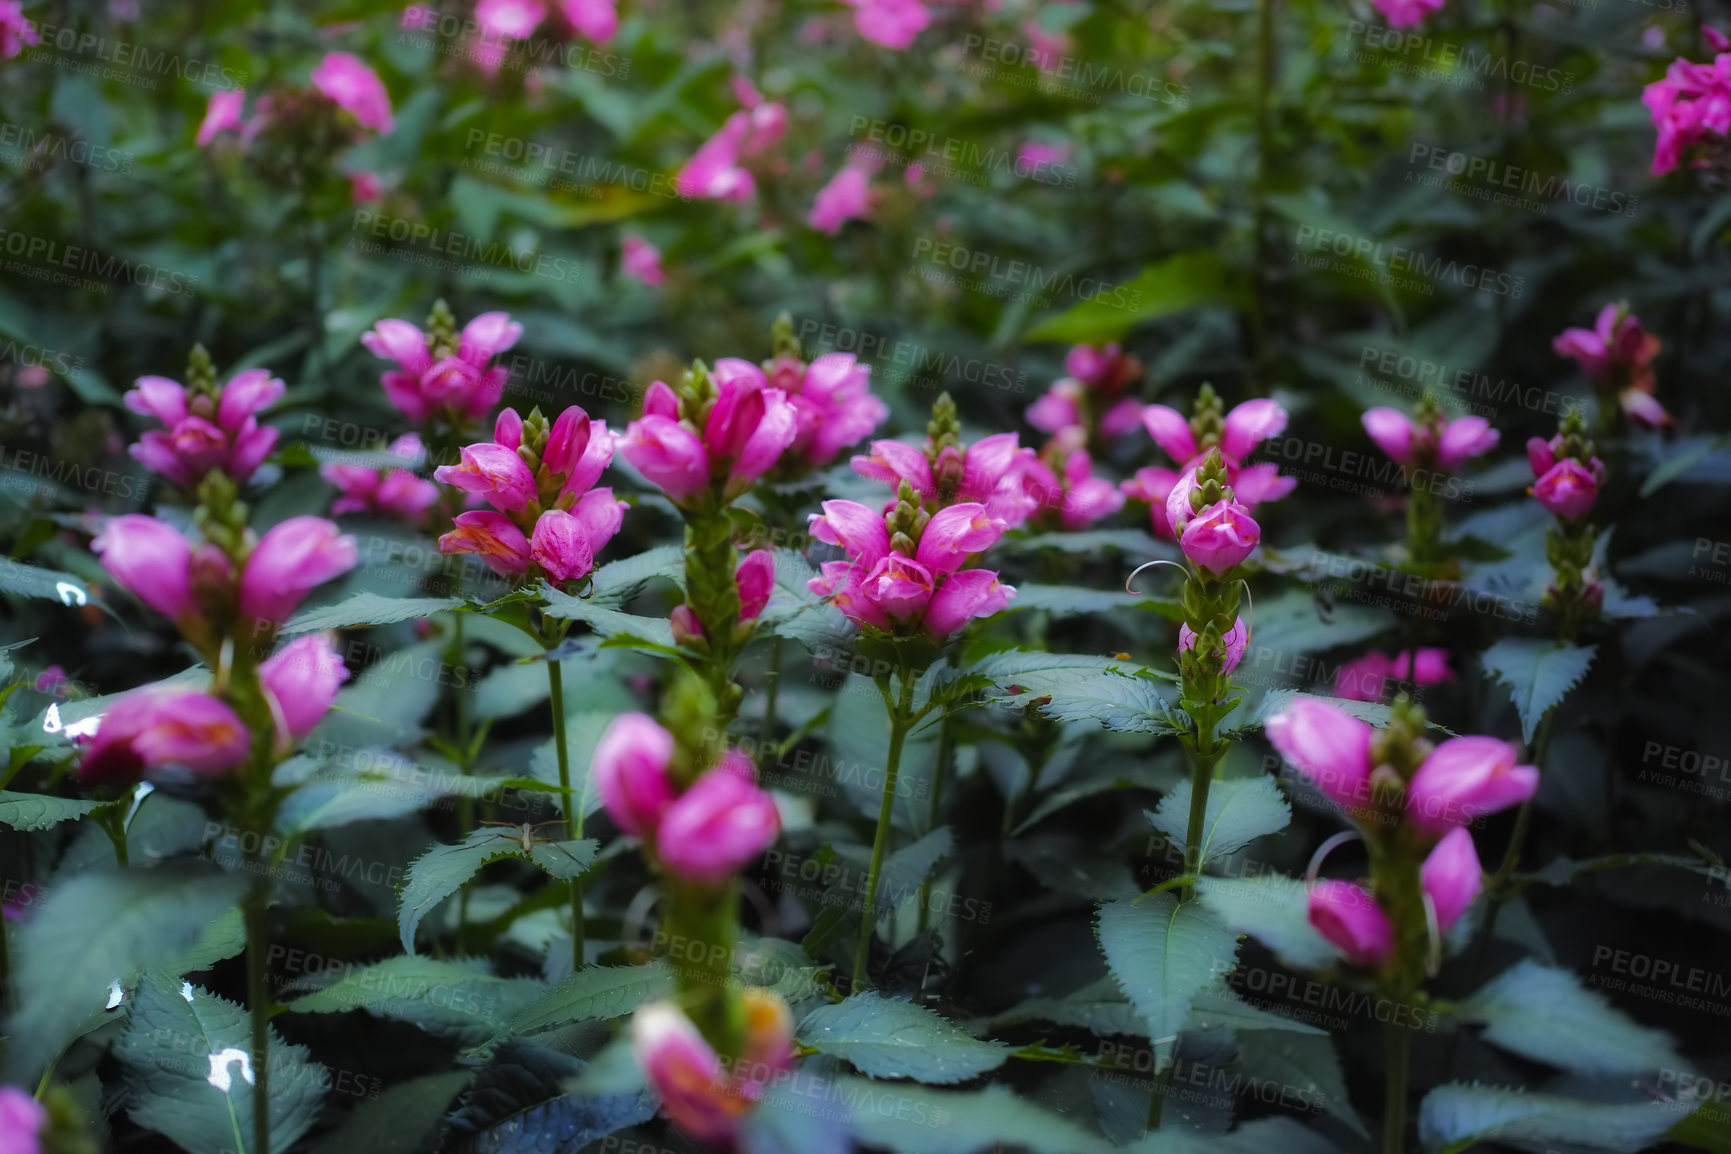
point(887, 1038)
point(1163, 952)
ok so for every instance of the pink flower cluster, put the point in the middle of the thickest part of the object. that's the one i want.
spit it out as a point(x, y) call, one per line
point(1566, 487)
point(1091, 397)
point(1245, 427)
point(891, 23)
point(992, 472)
point(341, 77)
point(594, 20)
point(1692, 101)
point(1061, 479)
point(1414, 446)
point(205, 433)
point(699, 1092)
point(714, 171)
point(834, 407)
point(1459, 780)
point(928, 591)
point(432, 382)
point(1376, 675)
point(1617, 354)
point(396, 493)
point(702, 835)
point(846, 197)
point(16, 31)
point(748, 428)
point(551, 516)
point(1406, 13)
point(1214, 537)
point(641, 260)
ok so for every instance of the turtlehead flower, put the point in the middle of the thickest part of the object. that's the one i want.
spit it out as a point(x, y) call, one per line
point(1452, 877)
point(1062, 482)
point(697, 1091)
point(492, 537)
point(594, 20)
point(16, 31)
point(395, 493)
point(152, 560)
point(152, 729)
point(1091, 396)
point(492, 472)
point(1415, 446)
point(1406, 13)
point(846, 197)
point(1465, 778)
point(1369, 678)
point(1329, 746)
point(205, 430)
point(220, 115)
point(452, 383)
point(1218, 537)
point(301, 681)
point(355, 88)
point(1236, 435)
point(1568, 489)
point(1617, 354)
point(719, 825)
point(714, 171)
point(990, 471)
point(630, 768)
point(748, 428)
point(641, 260)
point(1235, 640)
point(22, 1118)
point(1689, 103)
point(891, 23)
point(1350, 918)
point(834, 407)
point(292, 559)
point(509, 19)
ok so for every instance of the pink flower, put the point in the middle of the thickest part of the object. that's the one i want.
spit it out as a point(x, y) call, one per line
point(301, 681)
point(1033, 155)
point(152, 560)
point(1452, 877)
point(355, 88)
point(1236, 639)
point(1350, 918)
point(1462, 438)
point(668, 454)
point(900, 585)
point(1057, 407)
point(509, 19)
point(492, 537)
point(891, 23)
point(1642, 408)
point(292, 559)
point(1422, 666)
point(1329, 746)
point(854, 528)
point(1220, 537)
point(719, 825)
point(1691, 101)
point(642, 260)
point(22, 1117)
point(365, 187)
point(1413, 446)
point(697, 1091)
point(714, 172)
point(1365, 679)
point(961, 598)
point(1406, 13)
point(755, 579)
point(1394, 433)
point(1464, 778)
point(397, 493)
point(561, 547)
point(1245, 427)
point(492, 472)
point(1567, 490)
point(460, 387)
point(992, 471)
point(151, 729)
point(205, 433)
point(594, 20)
point(221, 114)
point(630, 768)
point(833, 405)
point(1153, 485)
point(954, 533)
point(748, 429)
point(578, 449)
point(846, 197)
point(1615, 349)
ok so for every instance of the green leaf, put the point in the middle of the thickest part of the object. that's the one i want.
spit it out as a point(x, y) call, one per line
point(1072, 599)
point(1306, 1063)
point(188, 1075)
point(221, 940)
point(1273, 909)
point(915, 1120)
point(1545, 1014)
point(1565, 870)
point(519, 1105)
point(594, 992)
point(1240, 810)
point(95, 929)
point(1163, 952)
point(607, 620)
point(1098, 1007)
point(893, 1039)
point(1175, 284)
point(442, 870)
point(582, 734)
point(449, 999)
point(1081, 688)
point(1454, 1118)
point(370, 785)
point(399, 1120)
point(45, 584)
point(1218, 1007)
point(368, 609)
point(34, 811)
point(1258, 1137)
point(1538, 673)
point(617, 581)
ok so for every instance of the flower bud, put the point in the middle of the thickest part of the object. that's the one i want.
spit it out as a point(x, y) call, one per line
point(687, 628)
point(1327, 745)
point(151, 559)
point(301, 680)
point(719, 825)
point(668, 454)
point(155, 728)
point(1235, 640)
point(22, 1119)
point(1567, 490)
point(1220, 536)
point(695, 1089)
point(630, 769)
point(561, 547)
point(292, 559)
point(1350, 918)
point(1452, 876)
point(755, 578)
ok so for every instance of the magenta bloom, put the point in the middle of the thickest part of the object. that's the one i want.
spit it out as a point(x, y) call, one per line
point(1245, 427)
point(152, 729)
point(669, 454)
point(355, 88)
point(1220, 537)
point(755, 578)
point(561, 547)
point(301, 680)
point(1567, 490)
point(1153, 485)
point(1691, 101)
point(1236, 639)
point(992, 471)
point(594, 20)
point(833, 404)
point(846, 197)
point(630, 769)
point(1329, 746)
point(748, 429)
point(221, 114)
point(460, 388)
point(719, 825)
point(1452, 876)
point(292, 559)
point(962, 597)
point(714, 171)
point(1412, 446)
point(1078, 497)
point(1406, 13)
point(1363, 679)
point(697, 1091)
point(22, 1117)
point(641, 260)
point(1422, 666)
point(152, 560)
point(1464, 778)
point(1350, 918)
point(15, 31)
point(397, 494)
point(891, 23)
point(954, 533)
point(492, 472)
point(509, 19)
point(205, 433)
point(491, 536)
point(1617, 346)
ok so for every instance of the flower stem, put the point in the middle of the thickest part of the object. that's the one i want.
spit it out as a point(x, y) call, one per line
point(257, 914)
point(770, 692)
point(1397, 1060)
point(573, 811)
point(702, 926)
point(900, 717)
point(1202, 764)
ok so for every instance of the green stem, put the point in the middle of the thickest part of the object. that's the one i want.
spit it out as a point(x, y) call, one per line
point(1157, 1096)
point(573, 811)
point(1202, 764)
point(1259, 214)
point(1397, 1060)
point(899, 721)
point(701, 927)
point(936, 810)
point(1423, 525)
point(770, 692)
point(258, 1003)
